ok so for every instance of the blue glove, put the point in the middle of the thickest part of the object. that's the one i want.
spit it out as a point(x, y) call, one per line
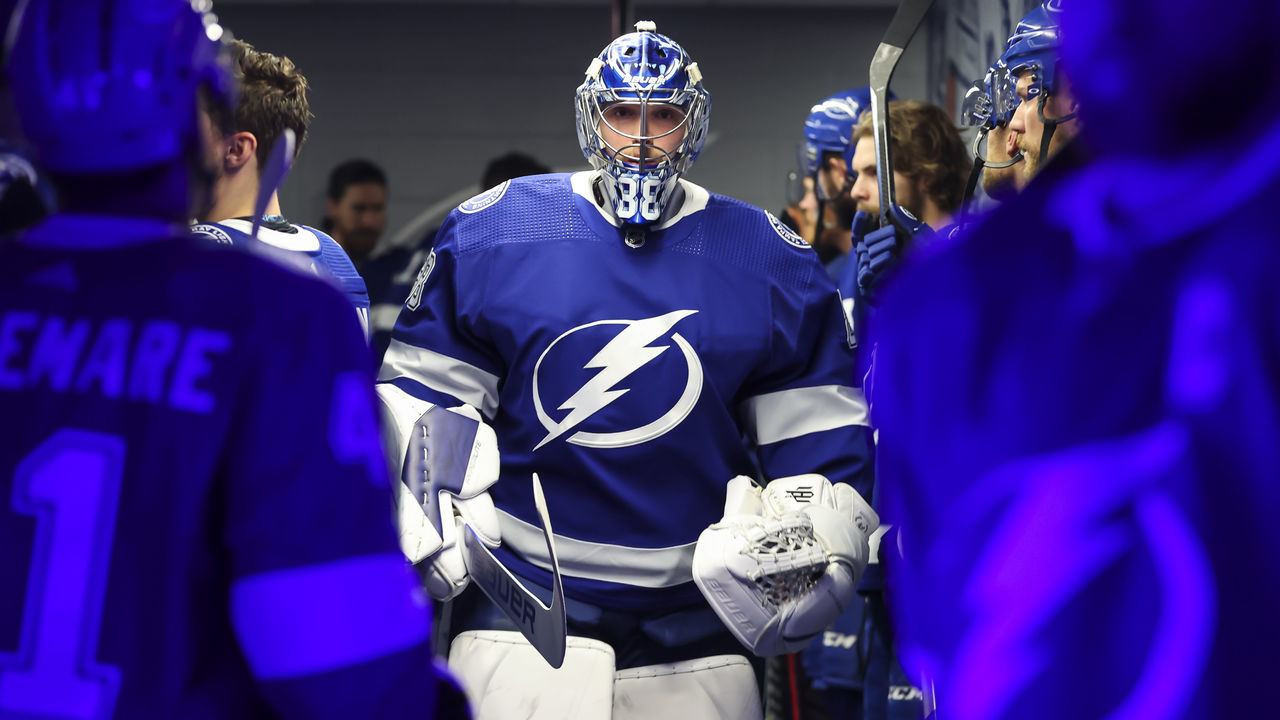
point(880, 251)
point(861, 222)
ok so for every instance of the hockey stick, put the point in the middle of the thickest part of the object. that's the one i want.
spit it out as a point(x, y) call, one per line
point(904, 24)
point(273, 174)
point(543, 626)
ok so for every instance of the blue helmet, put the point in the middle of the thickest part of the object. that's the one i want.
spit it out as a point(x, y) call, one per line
point(642, 68)
point(1034, 46)
point(106, 86)
point(829, 127)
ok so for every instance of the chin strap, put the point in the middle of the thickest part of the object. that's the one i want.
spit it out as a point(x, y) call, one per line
point(1050, 125)
point(979, 164)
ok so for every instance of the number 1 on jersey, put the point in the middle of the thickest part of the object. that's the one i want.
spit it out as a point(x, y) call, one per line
point(71, 485)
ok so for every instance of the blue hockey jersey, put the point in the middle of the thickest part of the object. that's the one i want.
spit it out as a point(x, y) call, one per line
point(1087, 485)
point(636, 381)
point(194, 512)
point(305, 248)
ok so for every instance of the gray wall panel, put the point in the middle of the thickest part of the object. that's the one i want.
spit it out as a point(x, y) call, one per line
point(432, 92)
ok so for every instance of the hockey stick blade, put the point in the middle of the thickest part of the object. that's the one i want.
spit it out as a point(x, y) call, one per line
point(543, 626)
point(273, 175)
point(905, 22)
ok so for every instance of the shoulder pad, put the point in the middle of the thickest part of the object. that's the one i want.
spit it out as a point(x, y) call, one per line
point(786, 233)
point(485, 199)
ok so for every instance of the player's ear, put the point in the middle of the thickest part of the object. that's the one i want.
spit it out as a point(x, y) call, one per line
point(241, 148)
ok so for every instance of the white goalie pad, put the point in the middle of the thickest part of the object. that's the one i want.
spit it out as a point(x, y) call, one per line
point(723, 686)
point(778, 578)
point(505, 677)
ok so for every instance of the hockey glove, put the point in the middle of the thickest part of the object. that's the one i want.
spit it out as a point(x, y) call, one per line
point(784, 563)
point(879, 251)
point(451, 462)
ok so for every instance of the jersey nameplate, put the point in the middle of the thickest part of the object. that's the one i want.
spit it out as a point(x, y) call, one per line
point(785, 232)
point(484, 199)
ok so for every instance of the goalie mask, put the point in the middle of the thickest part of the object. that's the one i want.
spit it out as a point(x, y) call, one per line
point(645, 77)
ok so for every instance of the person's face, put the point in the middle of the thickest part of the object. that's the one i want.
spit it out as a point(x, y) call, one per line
point(622, 123)
point(809, 201)
point(831, 176)
point(865, 192)
point(999, 183)
point(866, 188)
point(1027, 127)
point(359, 217)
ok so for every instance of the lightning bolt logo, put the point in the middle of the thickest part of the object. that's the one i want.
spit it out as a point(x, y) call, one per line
point(626, 353)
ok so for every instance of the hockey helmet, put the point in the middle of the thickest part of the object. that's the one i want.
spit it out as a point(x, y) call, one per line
point(1033, 47)
point(110, 86)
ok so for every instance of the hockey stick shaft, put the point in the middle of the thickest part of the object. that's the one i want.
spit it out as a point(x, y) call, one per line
point(542, 625)
point(906, 21)
point(273, 175)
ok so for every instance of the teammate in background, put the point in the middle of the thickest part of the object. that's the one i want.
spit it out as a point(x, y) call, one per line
point(995, 153)
point(621, 330)
point(929, 159)
point(930, 167)
point(356, 208)
point(1111, 407)
point(1040, 94)
point(1029, 90)
point(185, 535)
point(828, 150)
point(390, 272)
point(273, 97)
point(355, 216)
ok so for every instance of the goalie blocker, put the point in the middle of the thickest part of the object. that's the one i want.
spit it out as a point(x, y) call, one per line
point(785, 561)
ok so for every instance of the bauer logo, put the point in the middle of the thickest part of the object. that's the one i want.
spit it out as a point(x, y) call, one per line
point(785, 232)
point(415, 295)
point(213, 232)
point(484, 199)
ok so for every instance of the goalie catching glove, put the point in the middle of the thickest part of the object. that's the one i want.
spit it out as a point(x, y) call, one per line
point(450, 462)
point(784, 562)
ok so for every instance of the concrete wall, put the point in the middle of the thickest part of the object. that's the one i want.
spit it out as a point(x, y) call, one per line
point(432, 91)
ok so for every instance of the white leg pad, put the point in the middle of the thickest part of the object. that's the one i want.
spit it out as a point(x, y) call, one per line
point(505, 677)
point(722, 686)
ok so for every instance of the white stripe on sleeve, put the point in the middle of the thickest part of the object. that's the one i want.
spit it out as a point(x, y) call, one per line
point(777, 416)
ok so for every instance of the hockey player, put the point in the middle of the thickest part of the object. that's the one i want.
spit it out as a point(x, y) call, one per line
point(193, 507)
point(1101, 447)
point(620, 332)
point(1037, 90)
point(995, 152)
point(930, 166)
point(828, 150)
point(273, 97)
